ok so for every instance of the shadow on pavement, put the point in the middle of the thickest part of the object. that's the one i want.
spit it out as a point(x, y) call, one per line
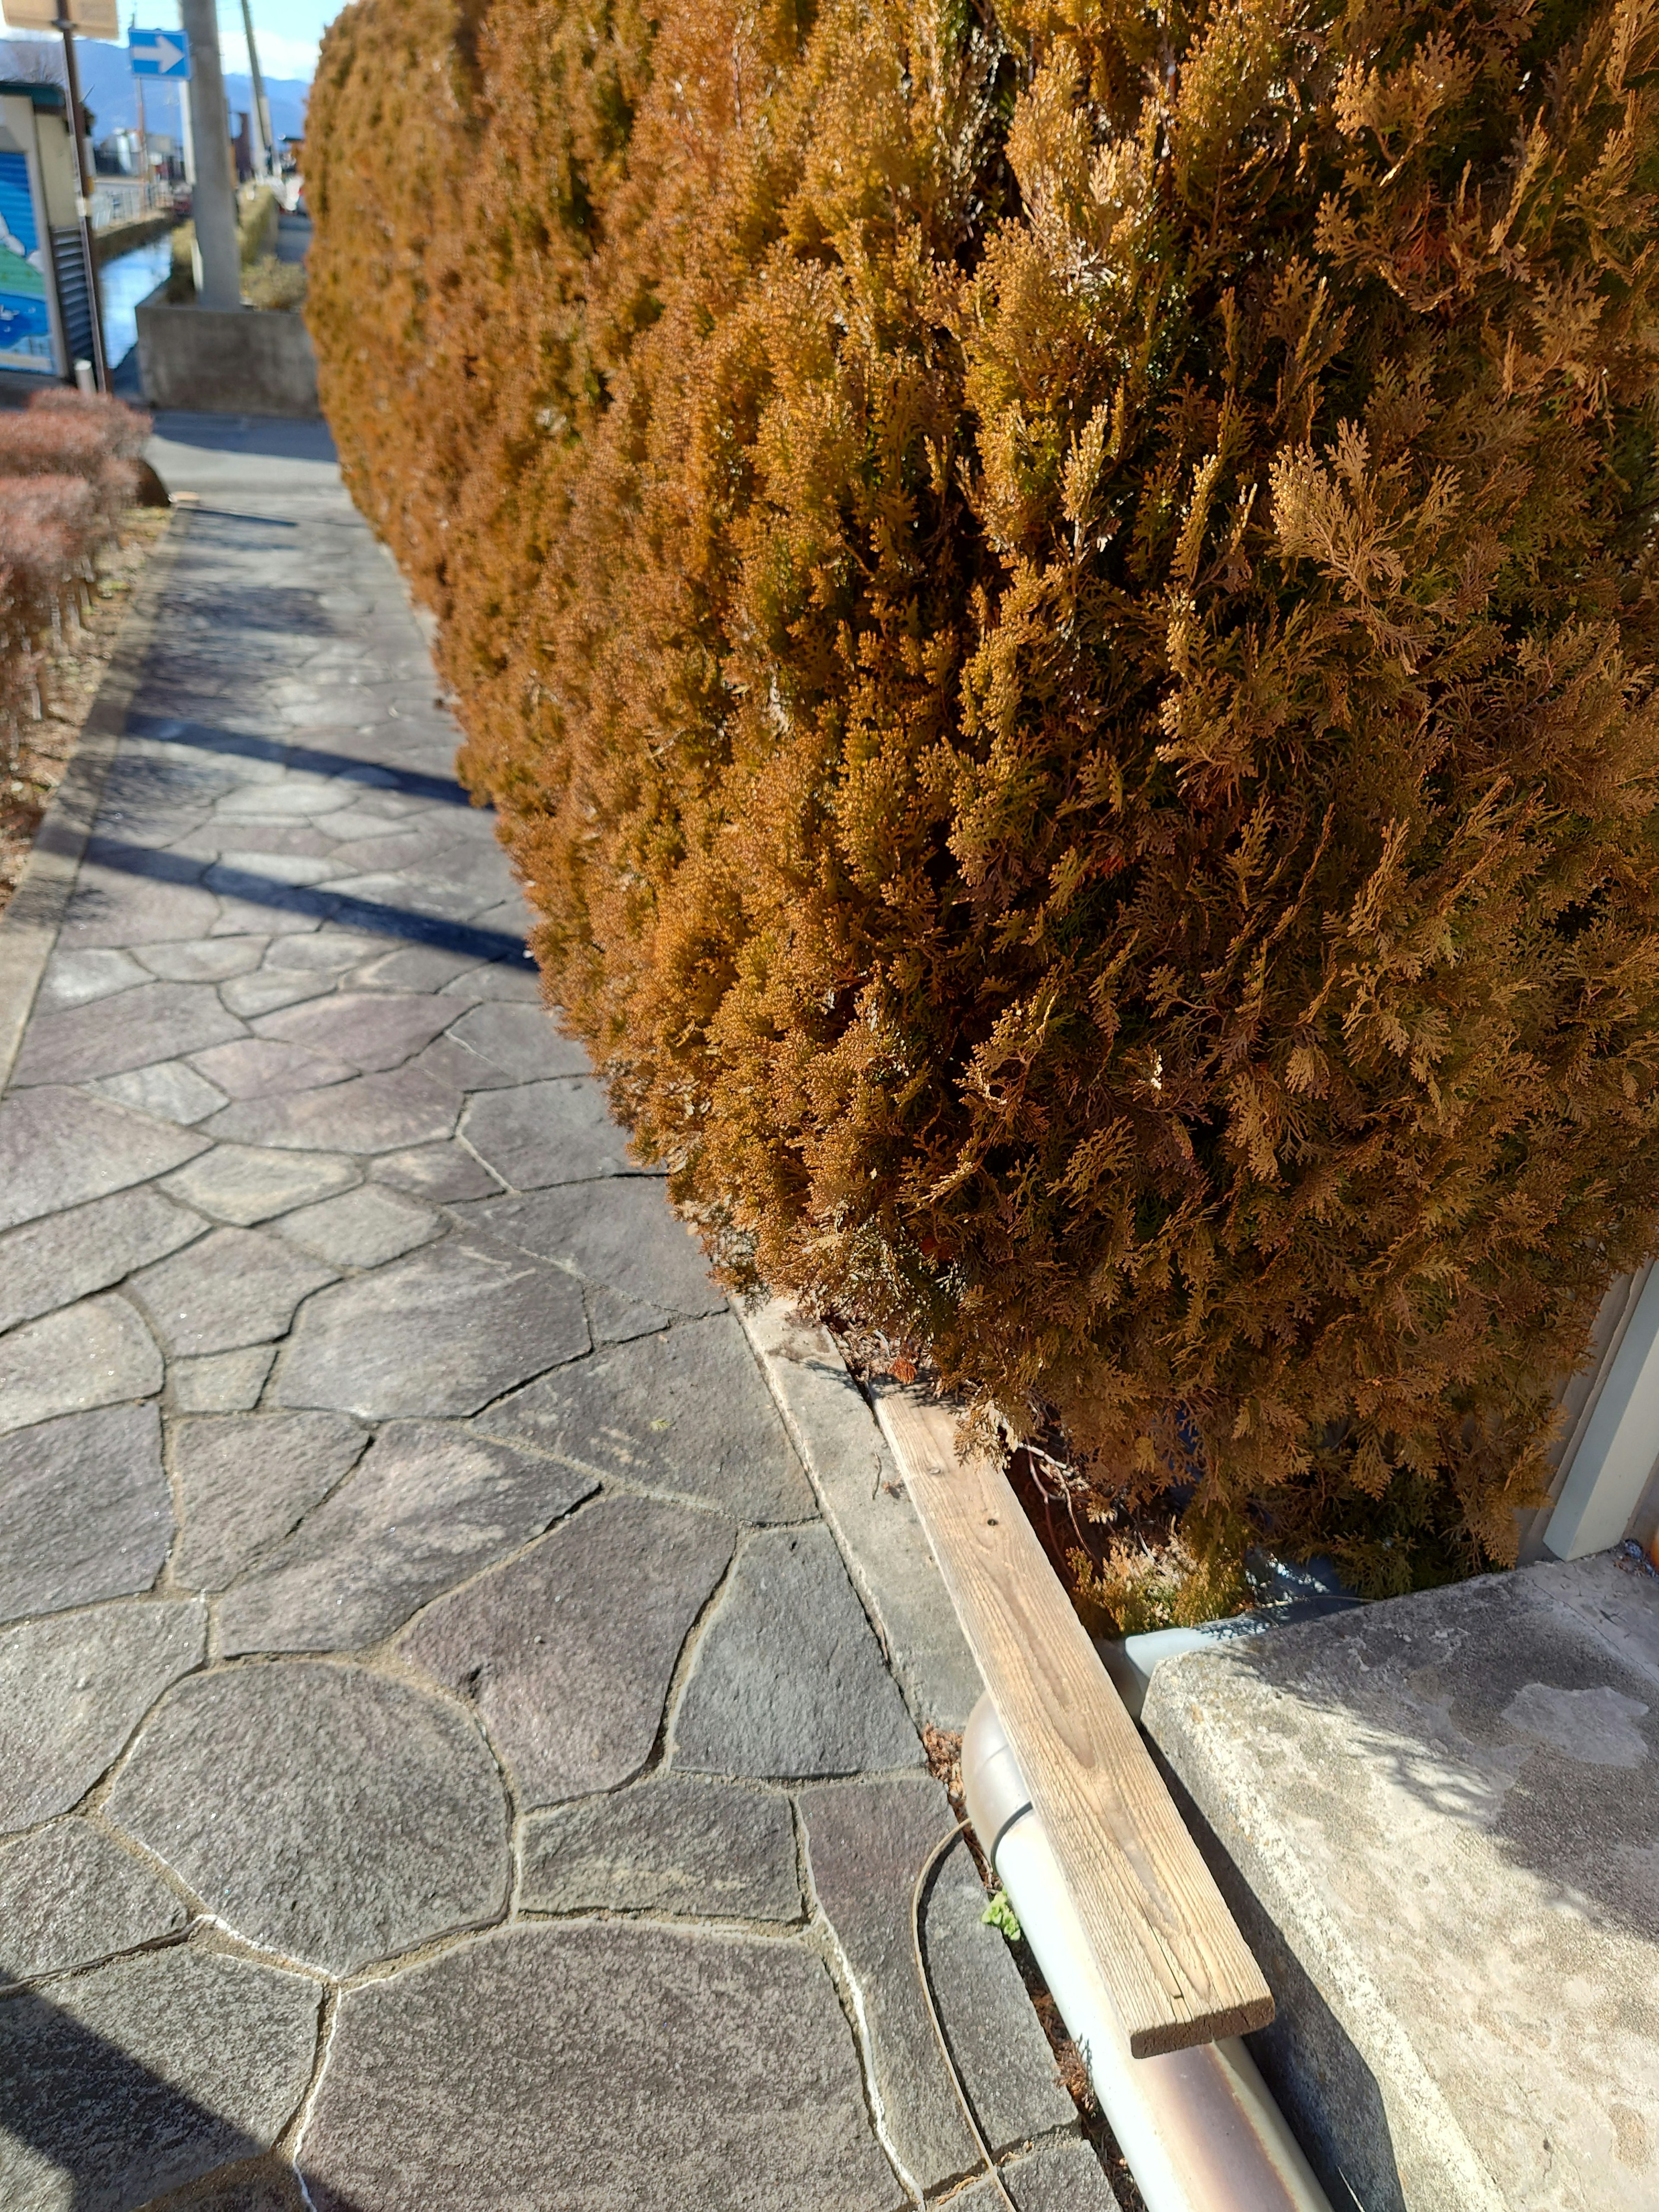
point(463, 938)
point(275, 437)
point(86, 2113)
point(168, 730)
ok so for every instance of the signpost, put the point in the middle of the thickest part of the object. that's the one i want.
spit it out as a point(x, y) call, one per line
point(159, 53)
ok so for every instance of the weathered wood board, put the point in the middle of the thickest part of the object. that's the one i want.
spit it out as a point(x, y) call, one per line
point(1177, 1968)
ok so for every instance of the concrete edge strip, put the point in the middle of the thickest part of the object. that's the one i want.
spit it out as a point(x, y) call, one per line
point(891, 1566)
point(29, 926)
point(863, 1501)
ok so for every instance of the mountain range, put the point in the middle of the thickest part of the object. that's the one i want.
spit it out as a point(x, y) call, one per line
point(107, 87)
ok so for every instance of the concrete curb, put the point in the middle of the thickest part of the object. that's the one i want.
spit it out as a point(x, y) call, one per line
point(862, 1498)
point(29, 926)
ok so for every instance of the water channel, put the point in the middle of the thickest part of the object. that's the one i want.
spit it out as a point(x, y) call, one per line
point(123, 284)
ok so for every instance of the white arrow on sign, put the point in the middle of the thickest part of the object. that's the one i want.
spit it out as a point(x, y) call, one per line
point(159, 53)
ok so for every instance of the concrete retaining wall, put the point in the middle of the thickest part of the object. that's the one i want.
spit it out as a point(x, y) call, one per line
point(225, 361)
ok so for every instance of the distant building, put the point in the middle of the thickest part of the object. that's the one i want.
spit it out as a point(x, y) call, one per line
point(118, 155)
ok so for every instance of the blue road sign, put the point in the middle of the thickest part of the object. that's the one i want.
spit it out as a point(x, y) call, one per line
point(158, 53)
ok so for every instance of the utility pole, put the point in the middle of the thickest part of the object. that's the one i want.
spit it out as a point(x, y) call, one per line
point(83, 173)
point(220, 284)
point(261, 105)
point(144, 142)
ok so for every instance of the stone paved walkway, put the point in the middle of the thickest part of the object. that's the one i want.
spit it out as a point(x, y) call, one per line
point(443, 1762)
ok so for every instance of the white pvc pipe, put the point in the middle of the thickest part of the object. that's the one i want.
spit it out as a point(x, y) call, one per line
point(1199, 2128)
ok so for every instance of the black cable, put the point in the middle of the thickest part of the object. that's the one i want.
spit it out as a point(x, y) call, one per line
point(922, 1881)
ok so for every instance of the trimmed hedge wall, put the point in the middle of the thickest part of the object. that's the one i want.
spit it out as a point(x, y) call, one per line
point(1059, 606)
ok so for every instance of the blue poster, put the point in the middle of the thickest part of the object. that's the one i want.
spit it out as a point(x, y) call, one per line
point(25, 321)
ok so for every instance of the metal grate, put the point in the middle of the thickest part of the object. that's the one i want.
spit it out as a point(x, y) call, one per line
point(70, 261)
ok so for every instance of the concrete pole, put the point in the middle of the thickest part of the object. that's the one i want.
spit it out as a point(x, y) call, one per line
point(221, 282)
point(186, 136)
point(267, 163)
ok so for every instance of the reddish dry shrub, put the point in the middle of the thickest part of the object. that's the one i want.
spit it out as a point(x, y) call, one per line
point(50, 530)
point(1059, 608)
point(125, 430)
point(61, 442)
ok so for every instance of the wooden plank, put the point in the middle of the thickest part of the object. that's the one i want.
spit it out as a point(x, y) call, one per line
point(1177, 1968)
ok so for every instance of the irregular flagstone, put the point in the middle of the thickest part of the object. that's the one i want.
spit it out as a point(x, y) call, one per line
point(300, 794)
point(265, 2185)
point(429, 1505)
point(328, 952)
point(205, 959)
point(69, 1896)
point(250, 996)
point(96, 1353)
point(51, 1263)
point(374, 1031)
point(363, 1229)
point(223, 1382)
point(684, 1412)
point(72, 979)
point(1063, 2175)
point(260, 1067)
point(622, 1233)
point(245, 1480)
point(865, 1845)
point(244, 1184)
point(540, 1133)
point(254, 856)
point(171, 1090)
point(788, 1678)
point(439, 1333)
point(420, 967)
point(525, 1040)
point(464, 1070)
point(352, 1818)
point(146, 2074)
point(666, 2068)
point(85, 1511)
point(518, 985)
point(444, 1173)
point(161, 1021)
point(235, 1287)
point(670, 1844)
point(568, 1652)
point(110, 909)
point(269, 906)
point(72, 1690)
point(58, 1148)
point(616, 1319)
point(370, 1114)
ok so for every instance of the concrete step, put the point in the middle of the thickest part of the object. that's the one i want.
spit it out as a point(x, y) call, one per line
point(1438, 1821)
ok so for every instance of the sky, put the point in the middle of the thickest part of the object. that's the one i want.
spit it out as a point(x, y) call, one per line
point(287, 31)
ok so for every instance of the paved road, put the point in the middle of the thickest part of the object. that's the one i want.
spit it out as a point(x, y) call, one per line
point(443, 1763)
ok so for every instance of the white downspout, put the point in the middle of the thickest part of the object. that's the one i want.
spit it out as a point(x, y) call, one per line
point(1199, 2128)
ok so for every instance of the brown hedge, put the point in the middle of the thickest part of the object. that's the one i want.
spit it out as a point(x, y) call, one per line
point(1058, 605)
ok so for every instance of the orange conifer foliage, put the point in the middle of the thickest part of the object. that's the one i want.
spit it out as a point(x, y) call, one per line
point(1058, 605)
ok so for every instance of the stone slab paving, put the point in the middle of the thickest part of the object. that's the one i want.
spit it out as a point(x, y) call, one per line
point(444, 1762)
